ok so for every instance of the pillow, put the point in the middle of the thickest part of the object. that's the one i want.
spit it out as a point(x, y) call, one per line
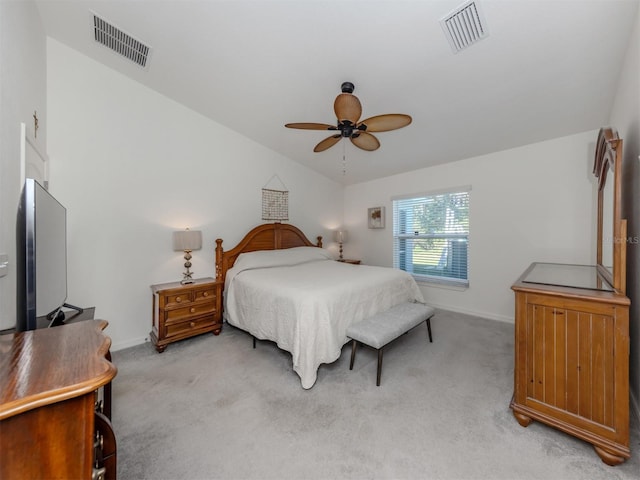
point(280, 258)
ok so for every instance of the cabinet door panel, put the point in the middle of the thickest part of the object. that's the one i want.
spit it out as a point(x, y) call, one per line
point(530, 342)
point(538, 353)
point(602, 379)
point(549, 356)
point(560, 364)
point(570, 362)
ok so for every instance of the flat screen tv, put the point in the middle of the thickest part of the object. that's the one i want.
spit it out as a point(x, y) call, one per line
point(41, 244)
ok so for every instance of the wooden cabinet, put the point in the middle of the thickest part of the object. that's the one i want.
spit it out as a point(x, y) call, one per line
point(572, 356)
point(182, 311)
point(48, 384)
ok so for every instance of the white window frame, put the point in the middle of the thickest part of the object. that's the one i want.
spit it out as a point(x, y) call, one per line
point(447, 278)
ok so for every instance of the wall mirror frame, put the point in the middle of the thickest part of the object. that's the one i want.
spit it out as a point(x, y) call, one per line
point(611, 227)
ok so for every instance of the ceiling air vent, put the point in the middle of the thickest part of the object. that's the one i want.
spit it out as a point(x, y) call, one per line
point(464, 26)
point(120, 42)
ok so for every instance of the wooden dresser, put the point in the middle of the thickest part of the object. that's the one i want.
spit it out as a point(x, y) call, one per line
point(572, 356)
point(182, 311)
point(49, 379)
point(572, 330)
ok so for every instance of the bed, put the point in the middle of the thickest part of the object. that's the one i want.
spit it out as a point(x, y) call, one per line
point(279, 286)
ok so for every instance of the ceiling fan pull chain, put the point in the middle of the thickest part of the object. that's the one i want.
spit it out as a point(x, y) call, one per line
point(344, 159)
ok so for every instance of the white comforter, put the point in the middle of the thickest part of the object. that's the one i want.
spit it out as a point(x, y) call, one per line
point(304, 301)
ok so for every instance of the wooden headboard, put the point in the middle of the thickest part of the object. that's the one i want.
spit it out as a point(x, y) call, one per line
point(269, 236)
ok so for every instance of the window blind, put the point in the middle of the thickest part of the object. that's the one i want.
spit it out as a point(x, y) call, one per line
point(431, 236)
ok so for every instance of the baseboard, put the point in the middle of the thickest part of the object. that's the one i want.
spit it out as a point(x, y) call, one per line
point(473, 313)
point(129, 343)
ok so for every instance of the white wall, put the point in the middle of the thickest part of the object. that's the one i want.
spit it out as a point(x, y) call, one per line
point(22, 91)
point(532, 203)
point(131, 166)
point(625, 117)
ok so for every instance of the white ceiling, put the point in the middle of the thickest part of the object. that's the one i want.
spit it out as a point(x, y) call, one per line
point(547, 69)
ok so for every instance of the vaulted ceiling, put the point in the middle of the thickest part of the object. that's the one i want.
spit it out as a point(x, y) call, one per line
point(546, 69)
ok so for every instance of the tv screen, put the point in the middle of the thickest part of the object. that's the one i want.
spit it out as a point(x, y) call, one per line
point(41, 234)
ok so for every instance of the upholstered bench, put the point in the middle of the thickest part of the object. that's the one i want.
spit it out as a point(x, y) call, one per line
point(384, 327)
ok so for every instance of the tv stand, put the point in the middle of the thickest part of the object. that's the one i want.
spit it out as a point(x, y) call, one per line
point(73, 307)
point(57, 317)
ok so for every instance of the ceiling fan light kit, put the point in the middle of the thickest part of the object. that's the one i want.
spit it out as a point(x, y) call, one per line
point(348, 109)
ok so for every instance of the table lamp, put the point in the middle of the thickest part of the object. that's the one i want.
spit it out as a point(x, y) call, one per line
point(340, 236)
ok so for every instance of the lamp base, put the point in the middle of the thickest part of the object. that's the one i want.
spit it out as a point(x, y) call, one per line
point(187, 265)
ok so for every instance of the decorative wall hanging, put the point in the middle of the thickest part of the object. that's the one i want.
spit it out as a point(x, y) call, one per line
point(376, 217)
point(275, 202)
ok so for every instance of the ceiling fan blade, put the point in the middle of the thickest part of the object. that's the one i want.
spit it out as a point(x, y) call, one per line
point(347, 107)
point(311, 126)
point(384, 123)
point(327, 142)
point(365, 141)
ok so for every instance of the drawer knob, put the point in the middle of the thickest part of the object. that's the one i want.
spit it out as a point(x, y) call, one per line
point(205, 294)
point(192, 324)
point(192, 310)
point(178, 299)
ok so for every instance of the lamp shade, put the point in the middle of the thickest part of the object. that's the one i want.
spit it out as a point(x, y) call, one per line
point(187, 240)
point(340, 236)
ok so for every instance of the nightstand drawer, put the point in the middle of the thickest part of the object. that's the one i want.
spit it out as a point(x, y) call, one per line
point(205, 295)
point(189, 326)
point(192, 310)
point(176, 299)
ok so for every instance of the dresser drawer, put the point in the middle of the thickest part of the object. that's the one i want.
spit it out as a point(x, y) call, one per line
point(188, 326)
point(192, 310)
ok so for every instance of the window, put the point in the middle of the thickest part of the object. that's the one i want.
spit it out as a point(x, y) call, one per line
point(431, 236)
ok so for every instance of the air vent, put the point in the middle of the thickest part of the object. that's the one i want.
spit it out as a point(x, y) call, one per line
point(120, 42)
point(464, 26)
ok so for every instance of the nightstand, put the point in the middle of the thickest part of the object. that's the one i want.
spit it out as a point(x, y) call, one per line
point(349, 260)
point(182, 311)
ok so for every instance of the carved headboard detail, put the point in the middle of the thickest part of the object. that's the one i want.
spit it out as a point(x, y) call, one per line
point(269, 236)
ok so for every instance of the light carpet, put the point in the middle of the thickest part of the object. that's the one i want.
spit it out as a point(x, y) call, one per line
point(213, 407)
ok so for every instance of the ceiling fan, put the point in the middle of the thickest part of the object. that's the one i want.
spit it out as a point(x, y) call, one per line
point(348, 110)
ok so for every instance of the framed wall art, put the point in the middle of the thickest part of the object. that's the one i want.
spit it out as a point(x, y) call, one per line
point(376, 217)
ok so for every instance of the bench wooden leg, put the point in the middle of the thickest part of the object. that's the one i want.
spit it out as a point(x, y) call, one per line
point(429, 329)
point(354, 345)
point(379, 367)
